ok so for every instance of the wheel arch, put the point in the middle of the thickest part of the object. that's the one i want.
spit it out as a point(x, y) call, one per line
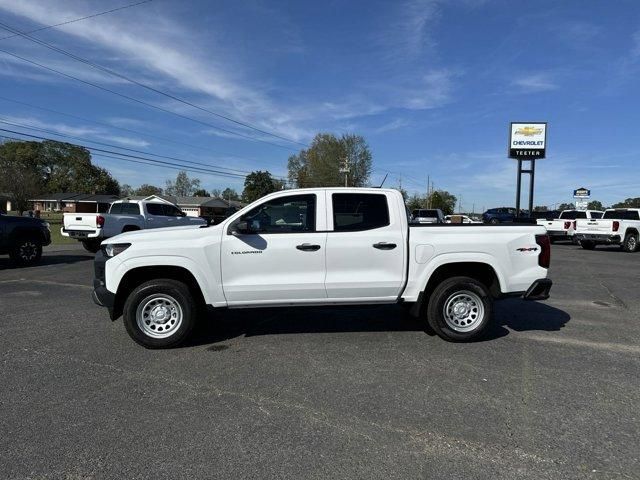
point(130, 228)
point(480, 271)
point(137, 276)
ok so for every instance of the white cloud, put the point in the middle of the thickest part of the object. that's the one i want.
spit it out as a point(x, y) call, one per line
point(537, 82)
point(396, 124)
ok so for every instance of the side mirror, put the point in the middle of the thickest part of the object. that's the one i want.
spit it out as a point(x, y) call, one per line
point(245, 228)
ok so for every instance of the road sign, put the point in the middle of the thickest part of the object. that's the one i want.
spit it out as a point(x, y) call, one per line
point(581, 193)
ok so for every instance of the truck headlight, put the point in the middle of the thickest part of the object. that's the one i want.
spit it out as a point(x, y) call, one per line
point(113, 249)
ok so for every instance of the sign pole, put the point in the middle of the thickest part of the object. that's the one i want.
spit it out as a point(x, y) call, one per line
point(518, 187)
point(532, 173)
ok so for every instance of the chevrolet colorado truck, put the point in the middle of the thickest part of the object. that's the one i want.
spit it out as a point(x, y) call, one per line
point(564, 227)
point(618, 226)
point(23, 238)
point(124, 216)
point(324, 246)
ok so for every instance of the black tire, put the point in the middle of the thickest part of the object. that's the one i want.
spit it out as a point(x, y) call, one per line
point(26, 251)
point(587, 244)
point(91, 246)
point(466, 328)
point(153, 291)
point(630, 243)
point(552, 240)
point(494, 221)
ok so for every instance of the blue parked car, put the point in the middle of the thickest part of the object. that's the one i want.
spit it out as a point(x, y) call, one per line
point(499, 215)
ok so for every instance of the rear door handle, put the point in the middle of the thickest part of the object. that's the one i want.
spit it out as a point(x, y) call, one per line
point(384, 246)
point(308, 247)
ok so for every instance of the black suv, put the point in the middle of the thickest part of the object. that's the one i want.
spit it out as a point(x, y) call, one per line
point(23, 238)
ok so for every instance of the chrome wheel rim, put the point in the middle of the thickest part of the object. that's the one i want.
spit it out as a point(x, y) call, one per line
point(159, 315)
point(632, 243)
point(463, 311)
point(28, 251)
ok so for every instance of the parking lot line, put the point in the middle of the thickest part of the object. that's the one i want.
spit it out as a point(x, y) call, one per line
point(612, 347)
point(46, 282)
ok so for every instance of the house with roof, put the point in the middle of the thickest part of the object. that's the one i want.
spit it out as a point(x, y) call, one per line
point(70, 202)
point(213, 209)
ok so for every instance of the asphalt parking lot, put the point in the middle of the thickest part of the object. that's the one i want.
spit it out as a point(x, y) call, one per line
point(553, 391)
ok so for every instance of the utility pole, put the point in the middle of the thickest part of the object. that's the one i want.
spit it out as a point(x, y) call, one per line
point(346, 168)
point(428, 191)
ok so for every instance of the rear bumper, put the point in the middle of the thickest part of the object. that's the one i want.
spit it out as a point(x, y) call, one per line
point(80, 234)
point(598, 237)
point(557, 233)
point(539, 290)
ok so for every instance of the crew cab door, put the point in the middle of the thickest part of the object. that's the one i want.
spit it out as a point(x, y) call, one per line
point(157, 215)
point(366, 246)
point(282, 259)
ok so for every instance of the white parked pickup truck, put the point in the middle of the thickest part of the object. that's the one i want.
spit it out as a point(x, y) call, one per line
point(617, 226)
point(564, 227)
point(326, 246)
point(124, 216)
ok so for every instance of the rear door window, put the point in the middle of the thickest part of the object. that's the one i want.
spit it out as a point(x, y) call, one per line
point(359, 211)
point(130, 208)
point(155, 209)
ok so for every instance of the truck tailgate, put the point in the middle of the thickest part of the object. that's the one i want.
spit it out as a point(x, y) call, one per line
point(595, 226)
point(80, 221)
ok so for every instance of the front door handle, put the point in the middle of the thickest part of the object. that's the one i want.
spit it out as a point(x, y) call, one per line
point(308, 247)
point(384, 246)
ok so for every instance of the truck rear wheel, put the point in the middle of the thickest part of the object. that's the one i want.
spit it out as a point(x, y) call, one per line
point(630, 243)
point(91, 245)
point(160, 313)
point(26, 251)
point(587, 244)
point(459, 309)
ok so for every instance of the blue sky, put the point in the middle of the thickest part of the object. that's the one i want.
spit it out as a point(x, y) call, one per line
point(431, 84)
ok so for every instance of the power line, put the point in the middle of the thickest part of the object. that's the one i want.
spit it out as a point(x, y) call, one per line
point(129, 130)
point(137, 157)
point(79, 19)
point(144, 85)
point(142, 102)
point(51, 132)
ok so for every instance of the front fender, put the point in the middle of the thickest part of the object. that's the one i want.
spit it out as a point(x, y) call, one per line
point(208, 281)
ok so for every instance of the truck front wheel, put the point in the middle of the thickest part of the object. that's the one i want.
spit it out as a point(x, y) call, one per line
point(26, 251)
point(459, 309)
point(160, 313)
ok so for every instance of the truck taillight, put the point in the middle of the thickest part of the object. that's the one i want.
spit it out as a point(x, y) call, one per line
point(544, 259)
point(99, 221)
point(567, 225)
point(616, 225)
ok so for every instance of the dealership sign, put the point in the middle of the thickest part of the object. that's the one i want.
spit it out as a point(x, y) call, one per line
point(528, 141)
point(581, 193)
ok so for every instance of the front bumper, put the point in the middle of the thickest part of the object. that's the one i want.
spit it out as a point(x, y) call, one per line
point(539, 290)
point(100, 295)
point(598, 237)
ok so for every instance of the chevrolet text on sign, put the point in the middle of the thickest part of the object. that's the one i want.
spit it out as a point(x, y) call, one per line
point(528, 140)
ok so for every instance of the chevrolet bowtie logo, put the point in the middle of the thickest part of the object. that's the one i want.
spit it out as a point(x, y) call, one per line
point(528, 131)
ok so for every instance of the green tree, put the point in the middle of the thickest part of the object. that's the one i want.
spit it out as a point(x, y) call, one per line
point(201, 193)
point(127, 190)
point(146, 190)
point(415, 201)
point(628, 203)
point(183, 186)
point(321, 164)
point(229, 194)
point(566, 206)
point(216, 192)
point(258, 184)
point(22, 172)
point(540, 208)
point(443, 200)
point(595, 205)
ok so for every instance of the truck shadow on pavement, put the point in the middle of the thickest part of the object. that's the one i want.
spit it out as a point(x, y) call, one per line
point(7, 264)
point(511, 316)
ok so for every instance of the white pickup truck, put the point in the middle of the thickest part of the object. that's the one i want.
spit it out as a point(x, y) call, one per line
point(564, 227)
point(325, 246)
point(616, 227)
point(124, 216)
